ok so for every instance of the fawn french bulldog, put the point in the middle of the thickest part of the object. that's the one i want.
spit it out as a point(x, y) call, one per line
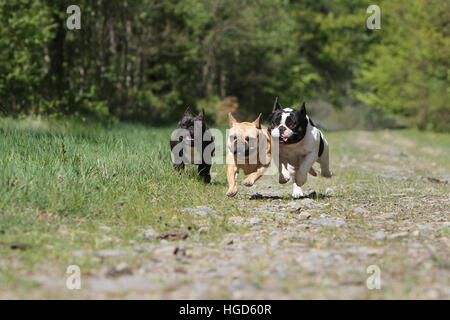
point(248, 148)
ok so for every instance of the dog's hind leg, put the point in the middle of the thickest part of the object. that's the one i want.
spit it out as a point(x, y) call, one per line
point(203, 172)
point(324, 162)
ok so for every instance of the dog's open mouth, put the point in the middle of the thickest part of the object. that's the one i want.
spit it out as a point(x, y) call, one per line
point(283, 138)
point(189, 138)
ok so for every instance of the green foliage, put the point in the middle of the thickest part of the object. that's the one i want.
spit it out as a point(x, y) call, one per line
point(149, 59)
point(24, 30)
point(407, 71)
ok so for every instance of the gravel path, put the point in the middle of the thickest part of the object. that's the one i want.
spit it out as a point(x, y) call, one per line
point(319, 247)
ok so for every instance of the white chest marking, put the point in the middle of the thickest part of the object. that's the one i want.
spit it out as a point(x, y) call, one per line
point(294, 153)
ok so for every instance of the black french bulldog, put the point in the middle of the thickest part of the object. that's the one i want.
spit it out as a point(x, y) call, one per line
point(192, 143)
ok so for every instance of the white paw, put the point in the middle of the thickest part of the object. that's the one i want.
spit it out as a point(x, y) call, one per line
point(231, 193)
point(296, 194)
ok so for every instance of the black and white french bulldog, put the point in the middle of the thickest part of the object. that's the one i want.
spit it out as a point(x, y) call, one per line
point(192, 143)
point(301, 144)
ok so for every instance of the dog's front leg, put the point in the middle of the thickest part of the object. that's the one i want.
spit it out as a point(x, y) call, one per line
point(232, 174)
point(301, 175)
point(284, 173)
point(251, 179)
point(203, 172)
point(179, 167)
point(178, 155)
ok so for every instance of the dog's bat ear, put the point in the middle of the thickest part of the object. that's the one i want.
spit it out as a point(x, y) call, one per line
point(302, 109)
point(257, 122)
point(201, 115)
point(231, 119)
point(277, 105)
point(187, 112)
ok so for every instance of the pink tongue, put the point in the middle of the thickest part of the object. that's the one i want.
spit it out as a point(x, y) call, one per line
point(284, 138)
point(188, 138)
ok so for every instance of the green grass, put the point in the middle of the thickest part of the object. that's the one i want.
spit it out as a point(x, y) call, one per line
point(121, 174)
point(61, 182)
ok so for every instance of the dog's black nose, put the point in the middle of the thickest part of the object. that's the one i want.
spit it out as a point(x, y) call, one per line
point(282, 129)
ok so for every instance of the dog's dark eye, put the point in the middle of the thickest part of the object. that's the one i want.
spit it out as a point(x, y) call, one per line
point(289, 122)
point(233, 137)
point(251, 140)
